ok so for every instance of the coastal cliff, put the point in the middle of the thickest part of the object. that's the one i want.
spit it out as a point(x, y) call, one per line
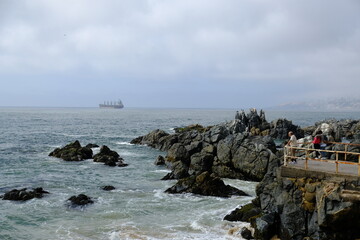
point(286, 206)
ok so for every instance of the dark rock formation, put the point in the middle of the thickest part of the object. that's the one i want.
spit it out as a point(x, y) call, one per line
point(205, 184)
point(196, 127)
point(280, 128)
point(108, 188)
point(109, 157)
point(160, 161)
point(229, 149)
point(243, 214)
point(23, 195)
point(246, 233)
point(72, 152)
point(92, 145)
point(80, 200)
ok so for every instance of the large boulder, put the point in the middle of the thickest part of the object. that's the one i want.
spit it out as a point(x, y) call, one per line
point(152, 139)
point(244, 213)
point(280, 128)
point(243, 156)
point(24, 195)
point(109, 157)
point(72, 152)
point(205, 184)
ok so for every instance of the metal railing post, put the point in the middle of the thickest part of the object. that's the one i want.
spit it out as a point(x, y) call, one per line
point(306, 158)
point(285, 156)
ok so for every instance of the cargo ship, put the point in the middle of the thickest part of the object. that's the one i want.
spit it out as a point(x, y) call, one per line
point(111, 104)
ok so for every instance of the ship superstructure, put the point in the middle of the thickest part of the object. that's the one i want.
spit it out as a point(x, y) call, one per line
point(112, 104)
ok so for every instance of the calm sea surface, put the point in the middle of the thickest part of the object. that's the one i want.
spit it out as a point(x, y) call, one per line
point(138, 208)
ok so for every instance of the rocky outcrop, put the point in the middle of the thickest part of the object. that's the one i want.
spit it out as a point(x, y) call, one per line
point(299, 208)
point(80, 200)
point(72, 152)
point(24, 195)
point(75, 152)
point(205, 184)
point(244, 213)
point(236, 149)
point(108, 188)
point(280, 128)
point(109, 157)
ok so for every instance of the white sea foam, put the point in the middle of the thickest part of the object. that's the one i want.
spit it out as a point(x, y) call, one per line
point(162, 171)
point(125, 143)
point(133, 154)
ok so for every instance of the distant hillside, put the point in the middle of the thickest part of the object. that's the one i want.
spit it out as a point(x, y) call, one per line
point(336, 105)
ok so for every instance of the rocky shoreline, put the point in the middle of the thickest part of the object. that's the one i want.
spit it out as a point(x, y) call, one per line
point(288, 208)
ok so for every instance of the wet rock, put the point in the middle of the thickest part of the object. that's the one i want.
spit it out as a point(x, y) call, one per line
point(246, 233)
point(179, 170)
point(23, 195)
point(108, 188)
point(91, 145)
point(109, 157)
point(80, 200)
point(72, 152)
point(244, 213)
point(160, 160)
point(205, 184)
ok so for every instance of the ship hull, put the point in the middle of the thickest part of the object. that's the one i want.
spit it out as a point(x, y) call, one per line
point(111, 106)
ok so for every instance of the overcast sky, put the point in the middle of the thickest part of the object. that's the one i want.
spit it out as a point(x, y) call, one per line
point(178, 53)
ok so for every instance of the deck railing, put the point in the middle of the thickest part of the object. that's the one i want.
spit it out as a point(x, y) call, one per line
point(308, 150)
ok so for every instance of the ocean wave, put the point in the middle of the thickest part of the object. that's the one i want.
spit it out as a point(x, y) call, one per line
point(125, 143)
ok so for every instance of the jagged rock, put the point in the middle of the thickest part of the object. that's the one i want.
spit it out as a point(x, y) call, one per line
point(280, 128)
point(23, 195)
point(205, 184)
point(243, 214)
point(108, 188)
point(151, 139)
point(80, 200)
point(72, 152)
point(160, 160)
point(109, 157)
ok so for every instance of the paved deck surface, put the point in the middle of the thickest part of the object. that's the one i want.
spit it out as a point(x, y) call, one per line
point(329, 167)
point(320, 170)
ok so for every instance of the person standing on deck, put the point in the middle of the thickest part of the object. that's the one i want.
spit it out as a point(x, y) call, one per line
point(317, 141)
point(292, 143)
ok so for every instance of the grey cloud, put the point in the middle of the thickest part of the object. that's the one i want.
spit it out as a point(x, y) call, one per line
point(236, 43)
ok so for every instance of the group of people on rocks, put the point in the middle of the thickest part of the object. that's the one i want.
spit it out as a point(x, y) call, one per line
point(319, 142)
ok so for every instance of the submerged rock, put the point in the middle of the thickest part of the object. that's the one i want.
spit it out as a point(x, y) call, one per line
point(80, 200)
point(108, 188)
point(92, 145)
point(23, 195)
point(205, 184)
point(72, 152)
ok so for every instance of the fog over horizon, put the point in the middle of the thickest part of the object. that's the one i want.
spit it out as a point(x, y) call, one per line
point(178, 54)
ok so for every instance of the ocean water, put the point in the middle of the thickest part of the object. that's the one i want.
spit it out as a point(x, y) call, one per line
point(138, 208)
